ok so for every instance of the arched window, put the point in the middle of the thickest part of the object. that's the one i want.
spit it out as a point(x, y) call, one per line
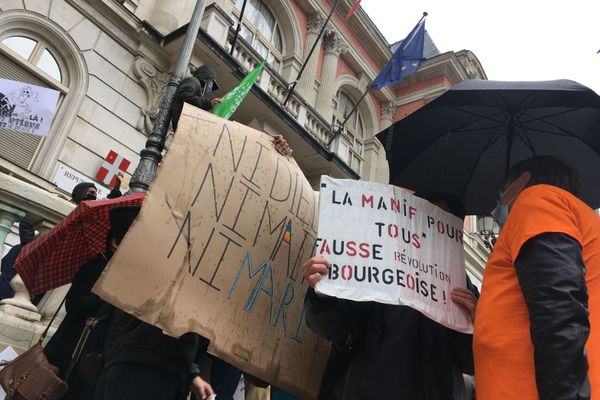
point(28, 58)
point(37, 53)
point(351, 147)
point(261, 30)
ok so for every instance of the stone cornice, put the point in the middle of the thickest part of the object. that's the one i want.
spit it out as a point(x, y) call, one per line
point(36, 201)
point(116, 19)
point(446, 64)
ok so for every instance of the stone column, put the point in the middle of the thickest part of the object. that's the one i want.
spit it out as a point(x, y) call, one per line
point(166, 14)
point(388, 111)
point(306, 84)
point(8, 216)
point(333, 46)
point(20, 304)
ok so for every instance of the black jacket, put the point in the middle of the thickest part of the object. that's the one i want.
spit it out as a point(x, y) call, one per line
point(7, 272)
point(396, 353)
point(131, 341)
point(551, 274)
point(80, 304)
point(189, 91)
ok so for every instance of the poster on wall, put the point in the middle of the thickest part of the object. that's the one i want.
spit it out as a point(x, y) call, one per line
point(392, 248)
point(27, 108)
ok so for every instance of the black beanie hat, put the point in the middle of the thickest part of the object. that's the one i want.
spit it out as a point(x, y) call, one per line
point(121, 219)
point(79, 191)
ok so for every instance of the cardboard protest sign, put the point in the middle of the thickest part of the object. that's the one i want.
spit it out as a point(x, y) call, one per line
point(218, 249)
point(392, 248)
point(26, 108)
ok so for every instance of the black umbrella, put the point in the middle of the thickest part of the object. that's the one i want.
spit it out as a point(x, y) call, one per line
point(465, 141)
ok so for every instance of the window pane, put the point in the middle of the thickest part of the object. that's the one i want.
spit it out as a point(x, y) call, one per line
point(273, 62)
point(260, 16)
point(261, 49)
point(360, 128)
point(343, 151)
point(358, 148)
point(277, 42)
point(21, 45)
point(49, 65)
point(355, 164)
point(246, 34)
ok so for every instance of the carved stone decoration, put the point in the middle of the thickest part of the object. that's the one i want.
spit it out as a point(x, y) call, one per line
point(388, 111)
point(315, 23)
point(363, 81)
point(334, 44)
point(154, 83)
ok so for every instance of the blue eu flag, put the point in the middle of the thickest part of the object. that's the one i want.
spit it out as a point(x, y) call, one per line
point(406, 60)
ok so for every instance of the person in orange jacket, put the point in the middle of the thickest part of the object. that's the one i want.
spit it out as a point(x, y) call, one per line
point(541, 291)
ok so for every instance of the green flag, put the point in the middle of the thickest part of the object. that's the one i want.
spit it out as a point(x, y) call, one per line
point(233, 98)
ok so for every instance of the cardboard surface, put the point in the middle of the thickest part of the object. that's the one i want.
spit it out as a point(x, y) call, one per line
point(218, 249)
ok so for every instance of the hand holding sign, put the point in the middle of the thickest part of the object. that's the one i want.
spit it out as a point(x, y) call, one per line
point(466, 299)
point(282, 146)
point(315, 269)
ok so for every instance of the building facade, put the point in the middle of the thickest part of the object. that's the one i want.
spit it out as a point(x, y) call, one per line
point(110, 61)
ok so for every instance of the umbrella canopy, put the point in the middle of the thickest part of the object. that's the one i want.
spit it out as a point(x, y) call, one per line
point(465, 141)
point(54, 258)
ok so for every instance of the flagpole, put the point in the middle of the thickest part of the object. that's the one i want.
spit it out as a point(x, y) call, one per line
point(341, 127)
point(238, 28)
point(310, 53)
point(151, 156)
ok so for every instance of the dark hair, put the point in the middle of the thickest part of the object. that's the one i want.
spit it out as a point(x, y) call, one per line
point(80, 190)
point(547, 170)
point(455, 205)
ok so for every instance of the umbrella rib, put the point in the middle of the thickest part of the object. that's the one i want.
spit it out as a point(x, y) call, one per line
point(490, 142)
point(488, 118)
point(542, 118)
point(549, 123)
point(522, 134)
point(551, 133)
point(567, 134)
point(471, 130)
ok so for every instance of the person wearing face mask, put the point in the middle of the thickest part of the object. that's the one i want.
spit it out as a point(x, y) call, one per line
point(541, 290)
point(87, 191)
point(193, 90)
point(83, 191)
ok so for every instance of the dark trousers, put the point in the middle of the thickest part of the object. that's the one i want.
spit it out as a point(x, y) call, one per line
point(140, 382)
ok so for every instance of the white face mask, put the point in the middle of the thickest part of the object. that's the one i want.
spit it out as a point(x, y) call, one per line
point(507, 196)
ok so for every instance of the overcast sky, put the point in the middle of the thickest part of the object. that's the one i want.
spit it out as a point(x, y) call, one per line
point(513, 40)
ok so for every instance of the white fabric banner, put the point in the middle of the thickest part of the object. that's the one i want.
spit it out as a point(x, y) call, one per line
point(388, 246)
point(26, 108)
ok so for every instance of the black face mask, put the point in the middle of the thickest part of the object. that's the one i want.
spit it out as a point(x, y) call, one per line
point(90, 196)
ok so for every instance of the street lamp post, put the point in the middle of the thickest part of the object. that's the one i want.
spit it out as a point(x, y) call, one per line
point(151, 156)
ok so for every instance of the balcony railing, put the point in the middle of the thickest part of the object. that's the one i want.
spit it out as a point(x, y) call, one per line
point(277, 87)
